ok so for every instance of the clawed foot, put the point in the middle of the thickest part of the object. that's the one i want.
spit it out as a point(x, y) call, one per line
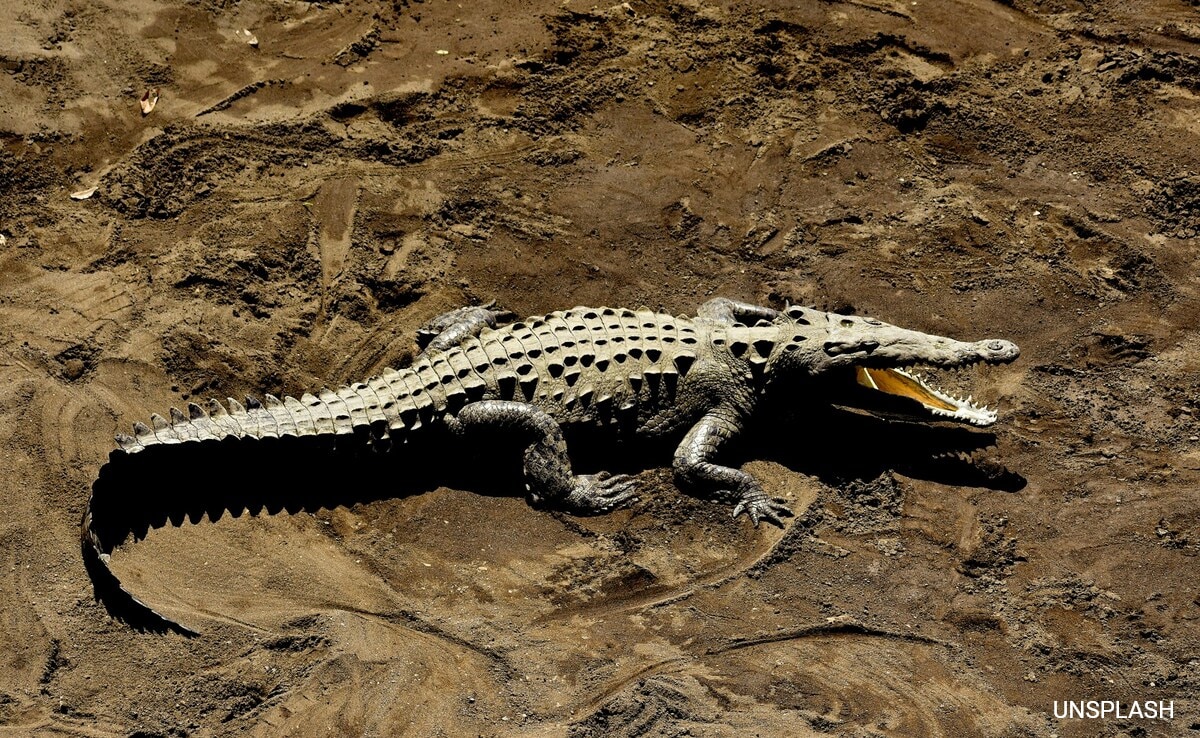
point(600, 493)
point(760, 507)
point(450, 328)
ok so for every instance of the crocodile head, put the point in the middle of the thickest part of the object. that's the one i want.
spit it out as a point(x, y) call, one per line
point(877, 367)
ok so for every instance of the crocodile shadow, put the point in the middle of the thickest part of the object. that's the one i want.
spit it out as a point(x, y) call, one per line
point(834, 444)
point(184, 483)
point(837, 446)
point(176, 484)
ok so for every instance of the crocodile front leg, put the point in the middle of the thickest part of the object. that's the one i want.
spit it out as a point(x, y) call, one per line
point(731, 312)
point(450, 329)
point(548, 475)
point(695, 467)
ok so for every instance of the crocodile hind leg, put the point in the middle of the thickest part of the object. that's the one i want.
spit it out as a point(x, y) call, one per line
point(695, 466)
point(548, 473)
point(731, 312)
point(450, 329)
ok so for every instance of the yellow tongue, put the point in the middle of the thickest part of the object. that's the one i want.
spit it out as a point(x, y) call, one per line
point(895, 383)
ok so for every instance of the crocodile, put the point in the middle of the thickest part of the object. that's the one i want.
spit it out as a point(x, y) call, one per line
point(641, 373)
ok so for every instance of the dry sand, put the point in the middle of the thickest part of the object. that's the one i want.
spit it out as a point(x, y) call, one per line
point(289, 212)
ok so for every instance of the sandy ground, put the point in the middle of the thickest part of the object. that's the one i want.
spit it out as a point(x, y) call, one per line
point(289, 213)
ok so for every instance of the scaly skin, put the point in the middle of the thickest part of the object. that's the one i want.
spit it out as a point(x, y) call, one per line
point(638, 373)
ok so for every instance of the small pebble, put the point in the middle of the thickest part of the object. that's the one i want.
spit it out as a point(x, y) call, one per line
point(73, 369)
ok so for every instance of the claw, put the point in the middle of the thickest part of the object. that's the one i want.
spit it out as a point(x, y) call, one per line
point(601, 493)
point(758, 509)
point(622, 500)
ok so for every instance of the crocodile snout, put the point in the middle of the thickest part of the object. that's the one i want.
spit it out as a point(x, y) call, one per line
point(997, 350)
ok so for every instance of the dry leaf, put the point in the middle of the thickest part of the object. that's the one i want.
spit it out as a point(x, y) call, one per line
point(250, 38)
point(149, 100)
point(83, 194)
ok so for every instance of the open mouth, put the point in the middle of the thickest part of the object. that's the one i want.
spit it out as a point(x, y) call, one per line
point(911, 385)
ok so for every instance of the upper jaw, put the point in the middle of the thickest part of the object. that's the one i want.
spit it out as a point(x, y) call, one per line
point(895, 377)
point(882, 357)
point(871, 343)
point(951, 355)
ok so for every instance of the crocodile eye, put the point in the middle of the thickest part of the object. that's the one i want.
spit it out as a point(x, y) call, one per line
point(872, 321)
point(846, 322)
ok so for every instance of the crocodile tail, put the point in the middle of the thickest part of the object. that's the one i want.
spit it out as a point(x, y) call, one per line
point(375, 415)
point(366, 411)
point(212, 423)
